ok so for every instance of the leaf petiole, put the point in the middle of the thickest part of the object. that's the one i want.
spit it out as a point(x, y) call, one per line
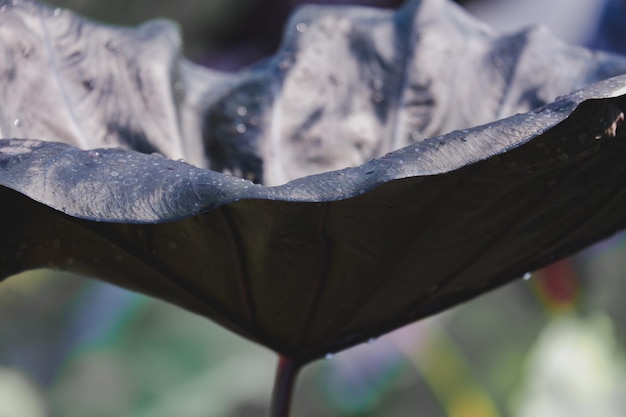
point(284, 384)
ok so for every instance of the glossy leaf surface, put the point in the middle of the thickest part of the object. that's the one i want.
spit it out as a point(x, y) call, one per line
point(324, 261)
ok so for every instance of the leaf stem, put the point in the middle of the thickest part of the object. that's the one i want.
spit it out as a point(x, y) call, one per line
point(286, 374)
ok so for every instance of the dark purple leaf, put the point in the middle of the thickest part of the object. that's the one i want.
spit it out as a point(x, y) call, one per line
point(321, 256)
point(329, 260)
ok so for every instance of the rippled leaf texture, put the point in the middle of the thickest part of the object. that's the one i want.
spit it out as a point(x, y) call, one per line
point(324, 261)
point(327, 261)
point(348, 84)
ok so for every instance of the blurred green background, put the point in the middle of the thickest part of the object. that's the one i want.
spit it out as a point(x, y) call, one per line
point(551, 345)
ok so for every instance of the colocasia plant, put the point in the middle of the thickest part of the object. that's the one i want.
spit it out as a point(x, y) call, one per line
point(381, 167)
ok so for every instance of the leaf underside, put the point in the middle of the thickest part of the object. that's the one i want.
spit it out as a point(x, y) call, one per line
point(323, 261)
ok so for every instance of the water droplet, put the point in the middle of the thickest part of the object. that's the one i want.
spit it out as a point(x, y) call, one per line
point(115, 174)
point(14, 2)
point(527, 276)
point(377, 84)
point(463, 139)
point(286, 63)
point(26, 52)
point(110, 45)
point(372, 340)
point(3, 8)
point(57, 12)
point(17, 122)
point(93, 154)
point(415, 135)
point(378, 97)
point(301, 27)
point(329, 355)
point(172, 245)
point(242, 111)
point(241, 128)
point(361, 191)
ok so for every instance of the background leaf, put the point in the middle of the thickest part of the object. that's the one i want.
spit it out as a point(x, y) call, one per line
point(348, 84)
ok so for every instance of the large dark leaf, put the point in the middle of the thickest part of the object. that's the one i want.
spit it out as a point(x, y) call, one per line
point(327, 261)
point(324, 261)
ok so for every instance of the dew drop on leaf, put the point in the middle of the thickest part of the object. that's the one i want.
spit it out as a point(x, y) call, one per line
point(242, 111)
point(286, 63)
point(329, 355)
point(527, 276)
